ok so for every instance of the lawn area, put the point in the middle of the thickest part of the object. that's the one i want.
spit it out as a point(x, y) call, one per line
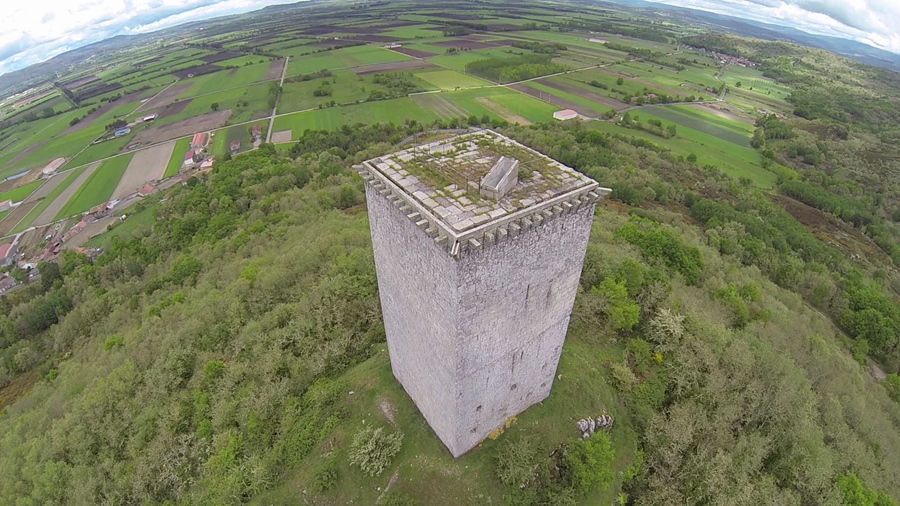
point(459, 61)
point(137, 220)
point(594, 106)
point(98, 188)
point(412, 32)
point(517, 103)
point(731, 134)
point(181, 147)
point(19, 194)
point(397, 110)
point(100, 151)
point(451, 80)
point(255, 97)
point(753, 82)
point(367, 55)
point(424, 459)
point(734, 160)
point(240, 61)
point(222, 141)
point(345, 87)
point(325, 60)
point(32, 215)
point(225, 79)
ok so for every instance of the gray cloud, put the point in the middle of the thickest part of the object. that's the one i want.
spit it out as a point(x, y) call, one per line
point(32, 34)
point(873, 22)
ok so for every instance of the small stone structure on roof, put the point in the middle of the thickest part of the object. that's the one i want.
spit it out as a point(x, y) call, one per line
point(441, 183)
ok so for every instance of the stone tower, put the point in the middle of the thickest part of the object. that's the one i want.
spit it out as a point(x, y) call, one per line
point(479, 243)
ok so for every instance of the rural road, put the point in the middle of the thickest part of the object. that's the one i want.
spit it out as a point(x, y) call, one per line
point(277, 98)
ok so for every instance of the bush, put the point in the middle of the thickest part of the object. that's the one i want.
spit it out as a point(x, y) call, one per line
point(622, 312)
point(325, 476)
point(589, 463)
point(372, 449)
point(516, 460)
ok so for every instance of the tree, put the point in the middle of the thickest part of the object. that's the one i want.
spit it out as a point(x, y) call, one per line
point(622, 312)
point(738, 84)
point(214, 106)
point(50, 272)
point(589, 463)
point(672, 129)
point(620, 81)
point(692, 158)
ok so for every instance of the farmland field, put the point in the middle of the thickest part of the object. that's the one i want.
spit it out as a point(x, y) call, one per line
point(450, 80)
point(98, 188)
point(241, 133)
point(181, 148)
point(19, 194)
point(730, 133)
point(44, 197)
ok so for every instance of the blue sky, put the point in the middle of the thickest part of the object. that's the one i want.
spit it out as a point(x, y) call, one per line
point(31, 32)
point(34, 31)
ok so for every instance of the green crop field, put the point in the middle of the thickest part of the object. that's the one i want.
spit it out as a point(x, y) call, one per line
point(741, 137)
point(137, 220)
point(19, 194)
point(700, 113)
point(412, 32)
point(32, 215)
point(98, 188)
point(224, 80)
point(459, 61)
point(222, 142)
point(450, 80)
point(594, 106)
point(478, 102)
point(181, 147)
point(367, 55)
point(313, 63)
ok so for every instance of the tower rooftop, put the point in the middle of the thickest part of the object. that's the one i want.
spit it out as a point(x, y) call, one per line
point(454, 184)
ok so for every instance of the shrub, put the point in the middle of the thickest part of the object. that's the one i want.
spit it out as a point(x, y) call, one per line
point(373, 449)
point(622, 312)
point(112, 342)
point(516, 460)
point(325, 476)
point(589, 463)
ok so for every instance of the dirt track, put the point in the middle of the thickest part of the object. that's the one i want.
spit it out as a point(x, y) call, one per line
point(147, 165)
point(50, 212)
point(13, 218)
point(182, 128)
point(274, 70)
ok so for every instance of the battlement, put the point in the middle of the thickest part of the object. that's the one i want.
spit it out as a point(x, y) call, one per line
point(462, 191)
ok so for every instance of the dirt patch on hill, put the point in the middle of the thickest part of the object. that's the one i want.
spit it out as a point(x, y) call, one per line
point(199, 70)
point(583, 93)
point(183, 128)
point(167, 97)
point(415, 53)
point(832, 231)
point(553, 99)
point(396, 66)
point(174, 108)
point(502, 111)
point(275, 69)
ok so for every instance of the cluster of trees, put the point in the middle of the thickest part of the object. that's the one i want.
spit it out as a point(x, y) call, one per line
point(398, 84)
point(540, 47)
point(199, 361)
point(506, 70)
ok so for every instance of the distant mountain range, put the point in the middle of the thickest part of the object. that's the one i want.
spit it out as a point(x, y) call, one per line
point(750, 28)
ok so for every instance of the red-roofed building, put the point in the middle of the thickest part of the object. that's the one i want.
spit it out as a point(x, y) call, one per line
point(199, 141)
point(256, 131)
point(190, 158)
point(146, 190)
point(8, 254)
point(235, 146)
point(565, 114)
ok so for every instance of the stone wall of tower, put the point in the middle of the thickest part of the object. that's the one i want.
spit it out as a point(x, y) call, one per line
point(475, 340)
point(515, 299)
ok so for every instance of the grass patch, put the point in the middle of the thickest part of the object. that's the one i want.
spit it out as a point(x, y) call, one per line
point(98, 188)
point(32, 215)
point(451, 80)
point(139, 220)
point(19, 194)
point(181, 148)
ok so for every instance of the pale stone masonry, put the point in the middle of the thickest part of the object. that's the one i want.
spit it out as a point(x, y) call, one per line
point(476, 291)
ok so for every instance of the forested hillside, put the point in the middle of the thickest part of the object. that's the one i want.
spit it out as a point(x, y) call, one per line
point(233, 352)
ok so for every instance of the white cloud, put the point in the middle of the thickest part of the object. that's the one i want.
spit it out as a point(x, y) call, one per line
point(31, 33)
point(873, 22)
